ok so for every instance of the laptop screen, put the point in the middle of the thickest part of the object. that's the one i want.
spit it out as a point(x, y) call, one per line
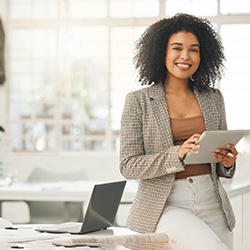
point(103, 206)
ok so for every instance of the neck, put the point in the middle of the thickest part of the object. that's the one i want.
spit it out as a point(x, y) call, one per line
point(176, 86)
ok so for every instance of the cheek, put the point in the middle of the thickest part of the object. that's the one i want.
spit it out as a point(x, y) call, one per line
point(169, 61)
point(197, 62)
point(198, 58)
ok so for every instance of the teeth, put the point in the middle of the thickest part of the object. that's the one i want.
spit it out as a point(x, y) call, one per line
point(183, 66)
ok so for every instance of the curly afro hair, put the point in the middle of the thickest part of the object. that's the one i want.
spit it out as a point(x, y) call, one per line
point(150, 51)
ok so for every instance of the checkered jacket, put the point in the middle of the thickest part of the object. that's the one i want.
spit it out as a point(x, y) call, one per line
point(148, 154)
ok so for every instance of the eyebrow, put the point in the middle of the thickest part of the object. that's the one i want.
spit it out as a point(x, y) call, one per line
point(192, 45)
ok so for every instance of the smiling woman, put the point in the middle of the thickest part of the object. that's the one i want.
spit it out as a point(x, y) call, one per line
point(179, 58)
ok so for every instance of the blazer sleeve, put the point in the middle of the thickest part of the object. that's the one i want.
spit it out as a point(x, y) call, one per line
point(134, 162)
point(220, 169)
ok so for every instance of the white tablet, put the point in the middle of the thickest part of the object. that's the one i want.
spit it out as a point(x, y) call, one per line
point(210, 140)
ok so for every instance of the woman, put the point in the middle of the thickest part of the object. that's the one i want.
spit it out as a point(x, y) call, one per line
point(179, 59)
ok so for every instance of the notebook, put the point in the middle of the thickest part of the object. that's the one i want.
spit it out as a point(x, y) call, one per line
point(210, 140)
point(100, 214)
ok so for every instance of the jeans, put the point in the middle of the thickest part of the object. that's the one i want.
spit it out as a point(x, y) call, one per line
point(193, 218)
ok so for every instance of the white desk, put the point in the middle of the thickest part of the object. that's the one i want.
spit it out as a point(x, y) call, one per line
point(27, 232)
point(78, 191)
point(237, 188)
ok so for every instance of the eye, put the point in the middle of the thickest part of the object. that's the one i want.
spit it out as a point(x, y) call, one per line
point(195, 50)
point(177, 48)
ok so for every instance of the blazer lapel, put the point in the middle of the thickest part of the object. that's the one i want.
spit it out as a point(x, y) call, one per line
point(208, 109)
point(160, 112)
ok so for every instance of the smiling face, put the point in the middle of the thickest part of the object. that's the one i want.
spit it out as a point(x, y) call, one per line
point(182, 55)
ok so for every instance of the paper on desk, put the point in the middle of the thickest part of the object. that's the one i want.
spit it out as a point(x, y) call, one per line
point(149, 246)
point(24, 235)
point(114, 239)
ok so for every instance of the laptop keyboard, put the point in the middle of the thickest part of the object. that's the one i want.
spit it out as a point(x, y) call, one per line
point(67, 227)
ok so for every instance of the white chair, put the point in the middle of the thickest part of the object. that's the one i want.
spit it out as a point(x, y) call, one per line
point(55, 212)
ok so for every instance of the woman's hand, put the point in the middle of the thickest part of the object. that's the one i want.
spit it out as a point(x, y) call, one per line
point(227, 156)
point(189, 146)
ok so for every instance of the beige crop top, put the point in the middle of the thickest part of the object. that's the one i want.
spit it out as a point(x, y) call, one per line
point(182, 129)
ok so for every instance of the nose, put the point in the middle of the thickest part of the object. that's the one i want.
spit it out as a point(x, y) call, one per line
point(185, 55)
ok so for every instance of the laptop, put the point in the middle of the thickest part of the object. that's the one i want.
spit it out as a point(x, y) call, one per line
point(100, 214)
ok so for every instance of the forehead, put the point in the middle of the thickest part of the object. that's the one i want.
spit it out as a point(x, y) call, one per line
point(183, 37)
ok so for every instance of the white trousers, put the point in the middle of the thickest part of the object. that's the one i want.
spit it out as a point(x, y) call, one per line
point(192, 217)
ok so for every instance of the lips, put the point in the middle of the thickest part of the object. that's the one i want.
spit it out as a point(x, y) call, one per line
point(183, 66)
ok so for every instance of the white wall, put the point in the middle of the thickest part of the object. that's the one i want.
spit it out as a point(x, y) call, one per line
point(241, 203)
point(241, 206)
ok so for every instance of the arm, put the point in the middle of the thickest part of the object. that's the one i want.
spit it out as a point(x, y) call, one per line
point(221, 170)
point(135, 161)
point(225, 172)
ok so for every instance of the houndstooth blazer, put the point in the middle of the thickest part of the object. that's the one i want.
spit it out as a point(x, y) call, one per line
point(148, 154)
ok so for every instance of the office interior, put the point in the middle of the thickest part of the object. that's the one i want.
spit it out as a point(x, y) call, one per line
point(68, 67)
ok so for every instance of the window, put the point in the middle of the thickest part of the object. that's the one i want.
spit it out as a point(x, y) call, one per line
point(30, 9)
point(234, 85)
point(133, 8)
point(235, 7)
point(122, 69)
point(67, 78)
point(194, 7)
point(70, 66)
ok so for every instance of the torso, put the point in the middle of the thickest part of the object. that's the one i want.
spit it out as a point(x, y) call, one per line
point(182, 129)
point(186, 120)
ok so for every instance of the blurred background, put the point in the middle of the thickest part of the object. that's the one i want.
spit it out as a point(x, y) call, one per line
point(68, 66)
